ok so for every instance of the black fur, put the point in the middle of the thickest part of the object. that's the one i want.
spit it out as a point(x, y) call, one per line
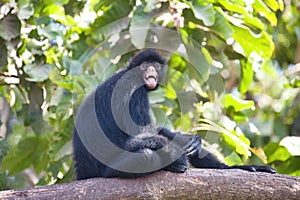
point(153, 148)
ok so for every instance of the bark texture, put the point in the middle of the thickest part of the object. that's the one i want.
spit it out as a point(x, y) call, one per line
point(193, 184)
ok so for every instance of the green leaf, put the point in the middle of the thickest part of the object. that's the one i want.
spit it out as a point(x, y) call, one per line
point(19, 132)
point(38, 73)
point(50, 31)
point(175, 78)
point(177, 62)
point(222, 27)
point(263, 44)
point(254, 23)
point(238, 104)
point(170, 91)
point(139, 27)
point(160, 117)
point(54, 9)
point(157, 96)
point(150, 5)
point(200, 62)
point(185, 122)
point(292, 144)
point(264, 11)
point(65, 150)
point(239, 144)
point(248, 19)
point(42, 20)
point(204, 11)
point(25, 11)
point(73, 7)
point(56, 96)
point(290, 166)
point(233, 7)
point(3, 53)
point(10, 27)
point(216, 84)
point(273, 4)
point(233, 159)
point(98, 4)
point(114, 19)
point(35, 112)
point(30, 150)
point(275, 152)
point(162, 38)
point(246, 75)
point(66, 84)
point(186, 100)
point(4, 147)
point(64, 105)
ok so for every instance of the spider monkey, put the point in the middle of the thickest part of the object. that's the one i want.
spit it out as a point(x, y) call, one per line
point(114, 135)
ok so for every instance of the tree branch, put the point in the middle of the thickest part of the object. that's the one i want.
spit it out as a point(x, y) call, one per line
point(194, 184)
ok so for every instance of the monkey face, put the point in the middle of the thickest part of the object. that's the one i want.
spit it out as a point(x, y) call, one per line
point(150, 74)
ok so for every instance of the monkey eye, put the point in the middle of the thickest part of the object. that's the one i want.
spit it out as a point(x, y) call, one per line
point(157, 66)
point(143, 66)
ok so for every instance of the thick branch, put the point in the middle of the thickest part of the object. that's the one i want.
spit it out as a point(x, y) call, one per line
point(194, 184)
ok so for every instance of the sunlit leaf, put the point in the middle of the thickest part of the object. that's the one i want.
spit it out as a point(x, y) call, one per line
point(273, 4)
point(238, 104)
point(228, 5)
point(254, 23)
point(54, 9)
point(177, 62)
point(246, 76)
point(263, 44)
point(264, 11)
point(170, 91)
point(232, 140)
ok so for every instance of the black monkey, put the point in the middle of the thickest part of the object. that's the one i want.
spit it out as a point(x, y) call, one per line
point(114, 135)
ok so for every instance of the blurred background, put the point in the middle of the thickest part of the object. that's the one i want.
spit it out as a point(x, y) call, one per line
point(233, 78)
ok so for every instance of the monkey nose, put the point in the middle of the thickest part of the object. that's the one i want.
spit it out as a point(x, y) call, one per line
point(151, 68)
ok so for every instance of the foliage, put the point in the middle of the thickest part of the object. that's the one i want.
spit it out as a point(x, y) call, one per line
point(236, 77)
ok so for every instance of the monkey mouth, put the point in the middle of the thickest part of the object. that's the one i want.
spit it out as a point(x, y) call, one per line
point(151, 80)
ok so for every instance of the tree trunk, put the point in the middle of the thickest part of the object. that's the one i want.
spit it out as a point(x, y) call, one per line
point(194, 184)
